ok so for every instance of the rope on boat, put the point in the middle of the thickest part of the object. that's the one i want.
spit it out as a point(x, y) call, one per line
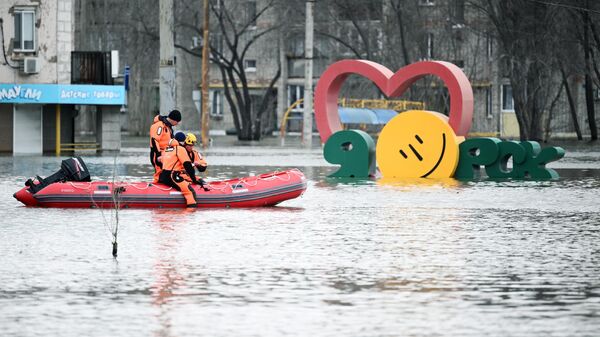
point(73, 184)
point(253, 181)
point(148, 186)
point(248, 181)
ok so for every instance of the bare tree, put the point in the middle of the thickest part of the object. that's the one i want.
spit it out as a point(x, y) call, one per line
point(235, 32)
point(587, 51)
point(524, 30)
point(247, 116)
point(571, 101)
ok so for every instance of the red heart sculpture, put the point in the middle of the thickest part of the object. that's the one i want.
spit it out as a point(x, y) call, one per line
point(392, 85)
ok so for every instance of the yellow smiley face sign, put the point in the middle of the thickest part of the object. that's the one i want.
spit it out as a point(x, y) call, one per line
point(418, 144)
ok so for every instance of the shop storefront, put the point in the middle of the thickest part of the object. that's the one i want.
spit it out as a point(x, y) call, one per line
point(34, 114)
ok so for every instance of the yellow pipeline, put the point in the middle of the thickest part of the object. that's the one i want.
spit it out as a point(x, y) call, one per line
point(57, 117)
point(398, 105)
point(286, 115)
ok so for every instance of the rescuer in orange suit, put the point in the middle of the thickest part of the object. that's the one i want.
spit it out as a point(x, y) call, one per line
point(178, 171)
point(197, 160)
point(161, 132)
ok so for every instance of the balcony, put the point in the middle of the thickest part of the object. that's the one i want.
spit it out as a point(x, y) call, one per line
point(91, 68)
point(296, 67)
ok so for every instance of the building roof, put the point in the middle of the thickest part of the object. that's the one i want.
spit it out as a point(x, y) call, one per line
point(365, 116)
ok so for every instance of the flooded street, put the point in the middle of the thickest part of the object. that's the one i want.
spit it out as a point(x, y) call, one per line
point(348, 258)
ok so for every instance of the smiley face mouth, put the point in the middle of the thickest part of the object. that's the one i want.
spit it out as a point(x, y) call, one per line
point(440, 158)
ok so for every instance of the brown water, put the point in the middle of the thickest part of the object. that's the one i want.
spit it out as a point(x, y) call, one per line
point(349, 258)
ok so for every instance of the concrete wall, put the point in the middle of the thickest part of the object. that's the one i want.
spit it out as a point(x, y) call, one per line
point(54, 42)
point(108, 133)
point(97, 28)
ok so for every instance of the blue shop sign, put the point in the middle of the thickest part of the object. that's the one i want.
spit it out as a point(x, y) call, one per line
point(62, 94)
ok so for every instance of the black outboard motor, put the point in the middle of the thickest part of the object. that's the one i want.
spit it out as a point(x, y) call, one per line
point(72, 169)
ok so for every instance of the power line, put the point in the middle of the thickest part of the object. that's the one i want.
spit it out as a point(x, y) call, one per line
point(3, 48)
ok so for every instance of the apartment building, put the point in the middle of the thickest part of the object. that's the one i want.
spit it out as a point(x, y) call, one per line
point(37, 98)
point(379, 30)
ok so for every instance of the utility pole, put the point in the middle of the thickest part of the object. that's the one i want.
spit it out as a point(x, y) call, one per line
point(168, 83)
point(282, 89)
point(205, 46)
point(308, 75)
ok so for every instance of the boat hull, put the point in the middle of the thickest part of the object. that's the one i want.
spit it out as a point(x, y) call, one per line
point(256, 191)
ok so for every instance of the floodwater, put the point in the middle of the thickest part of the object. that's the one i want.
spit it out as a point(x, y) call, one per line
point(348, 258)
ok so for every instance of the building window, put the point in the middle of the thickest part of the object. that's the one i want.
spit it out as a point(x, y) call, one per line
point(489, 46)
point(216, 105)
point(459, 63)
point(24, 40)
point(295, 46)
point(379, 38)
point(488, 102)
point(296, 92)
point(216, 42)
point(459, 12)
point(249, 66)
point(508, 104)
point(429, 45)
point(251, 13)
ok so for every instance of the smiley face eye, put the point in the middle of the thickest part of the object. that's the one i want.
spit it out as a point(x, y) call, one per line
point(417, 154)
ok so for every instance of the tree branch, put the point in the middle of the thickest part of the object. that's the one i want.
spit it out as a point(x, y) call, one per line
point(342, 42)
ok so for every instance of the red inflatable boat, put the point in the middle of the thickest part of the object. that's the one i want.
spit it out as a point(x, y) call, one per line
point(255, 191)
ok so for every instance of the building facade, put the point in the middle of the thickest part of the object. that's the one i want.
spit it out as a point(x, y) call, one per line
point(448, 30)
point(37, 37)
point(37, 98)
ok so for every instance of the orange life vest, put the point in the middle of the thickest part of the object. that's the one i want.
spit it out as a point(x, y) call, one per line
point(197, 159)
point(173, 158)
point(160, 133)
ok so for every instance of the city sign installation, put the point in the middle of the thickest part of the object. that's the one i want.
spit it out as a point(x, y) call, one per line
point(418, 143)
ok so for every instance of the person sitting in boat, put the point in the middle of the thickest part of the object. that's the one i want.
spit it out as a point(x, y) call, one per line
point(177, 139)
point(178, 171)
point(161, 132)
point(197, 160)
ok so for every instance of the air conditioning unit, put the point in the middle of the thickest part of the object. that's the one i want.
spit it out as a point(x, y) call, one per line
point(31, 65)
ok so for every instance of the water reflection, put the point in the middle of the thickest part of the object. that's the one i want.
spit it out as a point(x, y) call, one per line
point(334, 182)
point(349, 258)
point(168, 278)
point(415, 183)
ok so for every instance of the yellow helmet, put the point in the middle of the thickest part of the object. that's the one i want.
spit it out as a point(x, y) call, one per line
point(190, 139)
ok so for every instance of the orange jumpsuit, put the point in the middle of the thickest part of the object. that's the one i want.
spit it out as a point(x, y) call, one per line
point(198, 161)
point(161, 132)
point(176, 164)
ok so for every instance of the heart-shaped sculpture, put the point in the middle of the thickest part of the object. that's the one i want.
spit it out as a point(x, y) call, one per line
point(392, 85)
